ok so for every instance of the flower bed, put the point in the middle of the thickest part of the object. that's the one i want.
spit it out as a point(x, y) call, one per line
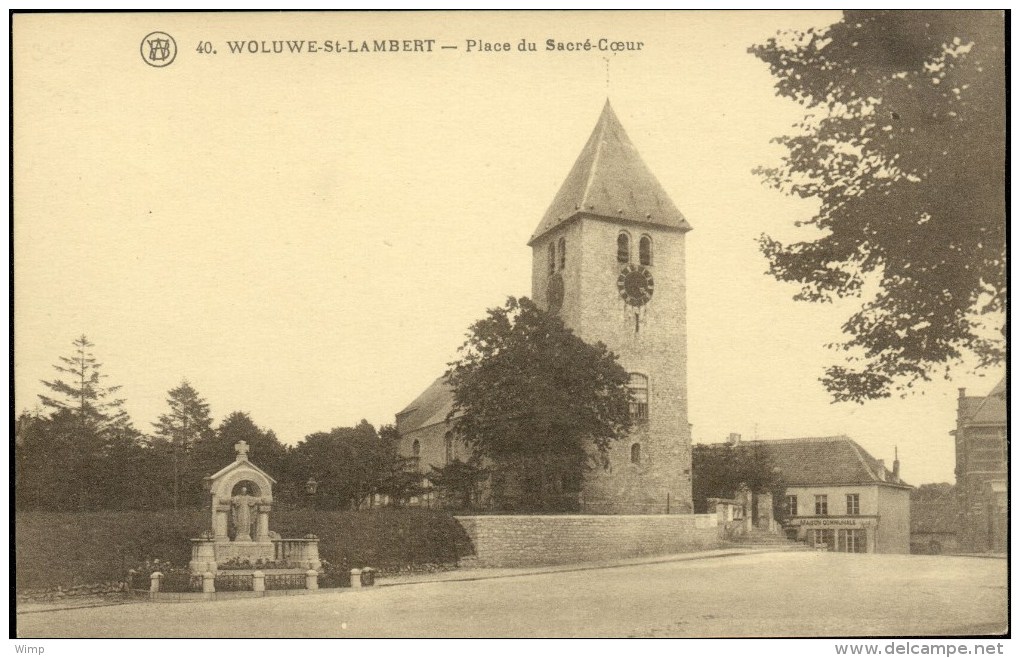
point(247, 564)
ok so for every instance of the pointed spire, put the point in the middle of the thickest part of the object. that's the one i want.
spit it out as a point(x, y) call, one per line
point(609, 179)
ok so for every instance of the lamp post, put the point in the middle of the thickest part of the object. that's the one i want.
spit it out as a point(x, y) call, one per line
point(207, 488)
point(311, 487)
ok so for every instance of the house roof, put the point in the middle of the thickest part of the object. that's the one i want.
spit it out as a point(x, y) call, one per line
point(610, 179)
point(826, 460)
point(431, 407)
point(990, 409)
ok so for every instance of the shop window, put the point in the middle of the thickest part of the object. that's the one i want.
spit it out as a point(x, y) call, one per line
point(823, 539)
point(645, 250)
point(623, 248)
point(635, 453)
point(821, 505)
point(563, 252)
point(791, 506)
point(850, 541)
point(552, 258)
point(638, 386)
point(853, 504)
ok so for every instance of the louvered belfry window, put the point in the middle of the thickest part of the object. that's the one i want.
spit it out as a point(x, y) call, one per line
point(639, 396)
point(623, 248)
point(645, 250)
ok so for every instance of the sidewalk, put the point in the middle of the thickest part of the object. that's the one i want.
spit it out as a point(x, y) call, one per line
point(511, 572)
point(457, 575)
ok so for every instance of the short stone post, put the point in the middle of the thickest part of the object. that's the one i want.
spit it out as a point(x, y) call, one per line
point(311, 579)
point(208, 583)
point(258, 582)
point(356, 578)
point(154, 581)
point(312, 552)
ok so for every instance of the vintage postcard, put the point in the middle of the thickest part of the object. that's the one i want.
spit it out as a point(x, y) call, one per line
point(516, 324)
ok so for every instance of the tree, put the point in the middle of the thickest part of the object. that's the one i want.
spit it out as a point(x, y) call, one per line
point(459, 482)
point(537, 401)
point(82, 393)
point(719, 471)
point(187, 423)
point(64, 457)
point(348, 463)
point(400, 479)
point(904, 150)
point(216, 449)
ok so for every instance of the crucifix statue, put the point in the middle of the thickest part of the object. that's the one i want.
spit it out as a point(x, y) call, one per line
point(242, 450)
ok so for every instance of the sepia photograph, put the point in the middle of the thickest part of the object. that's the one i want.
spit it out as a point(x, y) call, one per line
point(511, 324)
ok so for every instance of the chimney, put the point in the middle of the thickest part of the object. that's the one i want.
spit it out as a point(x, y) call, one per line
point(734, 439)
point(896, 464)
point(881, 469)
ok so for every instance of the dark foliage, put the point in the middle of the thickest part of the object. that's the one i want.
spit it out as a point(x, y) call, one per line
point(538, 402)
point(350, 464)
point(719, 471)
point(459, 483)
point(186, 424)
point(70, 549)
point(904, 150)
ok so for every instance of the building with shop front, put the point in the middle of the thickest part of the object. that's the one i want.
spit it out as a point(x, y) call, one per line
point(981, 474)
point(839, 497)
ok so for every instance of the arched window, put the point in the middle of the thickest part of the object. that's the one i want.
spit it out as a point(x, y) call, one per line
point(552, 257)
point(645, 250)
point(563, 252)
point(638, 386)
point(449, 449)
point(635, 453)
point(623, 248)
point(416, 449)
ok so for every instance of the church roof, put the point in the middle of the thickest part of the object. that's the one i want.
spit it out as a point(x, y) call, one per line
point(429, 408)
point(610, 179)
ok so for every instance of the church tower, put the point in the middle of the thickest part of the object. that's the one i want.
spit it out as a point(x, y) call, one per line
point(608, 256)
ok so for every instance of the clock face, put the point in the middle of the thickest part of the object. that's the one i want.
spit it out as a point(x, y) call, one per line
point(554, 293)
point(635, 284)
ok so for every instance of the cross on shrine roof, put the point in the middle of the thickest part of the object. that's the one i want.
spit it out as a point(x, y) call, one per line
point(242, 450)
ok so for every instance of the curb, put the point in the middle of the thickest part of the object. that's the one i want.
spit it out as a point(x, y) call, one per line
point(517, 572)
point(471, 575)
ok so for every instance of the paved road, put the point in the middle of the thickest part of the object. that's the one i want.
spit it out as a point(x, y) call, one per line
point(762, 595)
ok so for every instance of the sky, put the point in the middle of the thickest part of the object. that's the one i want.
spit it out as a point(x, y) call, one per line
point(307, 238)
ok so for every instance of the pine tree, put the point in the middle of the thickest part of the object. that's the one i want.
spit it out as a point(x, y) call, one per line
point(71, 445)
point(187, 423)
point(83, 393)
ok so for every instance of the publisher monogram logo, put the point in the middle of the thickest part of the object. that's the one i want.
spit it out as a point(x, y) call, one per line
point(158, 49)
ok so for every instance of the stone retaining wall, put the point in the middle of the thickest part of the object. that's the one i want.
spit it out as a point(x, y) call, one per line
point(517, 541)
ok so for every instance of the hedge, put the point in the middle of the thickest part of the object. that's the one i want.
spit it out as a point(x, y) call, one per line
point(70, 549)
